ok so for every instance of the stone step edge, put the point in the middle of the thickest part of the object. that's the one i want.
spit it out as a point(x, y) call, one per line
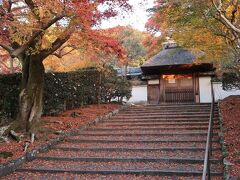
point(170, 110)
point(133, 149)
point(107, 172)
point(161, 110)
point(165, 114)
point(172, 107)
point(162, 116)
point(155, 134)
point(163, 128)
point(157, 124)
point(133, 141)
point(156, 120)
point(133, 159)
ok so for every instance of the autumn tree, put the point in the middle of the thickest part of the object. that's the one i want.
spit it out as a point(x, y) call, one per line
point(26, 33)
point(210, 25)
point(84, 51)
point(132, 46)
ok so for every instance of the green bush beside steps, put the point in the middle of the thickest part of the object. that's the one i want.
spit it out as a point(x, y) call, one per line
point(63, 91)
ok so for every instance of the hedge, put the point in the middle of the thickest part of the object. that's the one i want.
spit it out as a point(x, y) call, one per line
point(64, 91)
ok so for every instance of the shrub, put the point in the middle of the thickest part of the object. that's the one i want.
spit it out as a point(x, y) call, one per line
point(64, 91)
point(231, 81)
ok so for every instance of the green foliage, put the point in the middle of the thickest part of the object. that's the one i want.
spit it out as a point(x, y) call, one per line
point(123, 88)
point(9, 90)
point(113, 86)
point(6, 154)
point(66, 90)
point(132, 43)
point(231, 81)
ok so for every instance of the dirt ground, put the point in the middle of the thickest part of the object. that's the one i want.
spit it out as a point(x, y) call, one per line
point(230, 109)
point(53, 126)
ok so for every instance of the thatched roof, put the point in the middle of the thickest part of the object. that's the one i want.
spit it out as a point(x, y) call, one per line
point(171, 56)
point(173, 60)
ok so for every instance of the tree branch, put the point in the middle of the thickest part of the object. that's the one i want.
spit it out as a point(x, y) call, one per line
point(60, 54)
point(58, 42)
point(9, 49)
point(36, 34)
point(33, 8)
point(9, 5)
point(234, 11)
point(222, 16)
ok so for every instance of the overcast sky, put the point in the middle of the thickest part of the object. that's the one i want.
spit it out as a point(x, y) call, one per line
point(137, 18)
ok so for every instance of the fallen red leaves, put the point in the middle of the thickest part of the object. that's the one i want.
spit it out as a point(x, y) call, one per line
point(62, 122)
point(230, 109)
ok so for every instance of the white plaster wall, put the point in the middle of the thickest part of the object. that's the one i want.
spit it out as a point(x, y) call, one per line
point(205, 89)
point(139, 94)
point(221, 94)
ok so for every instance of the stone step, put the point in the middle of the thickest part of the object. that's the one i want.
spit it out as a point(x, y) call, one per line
point(139, 133)
point(169, 110)
point(163, 113)
point(206, 117)
point(153, 120)
point(132, 159)
point(99, 128)
point(155, 124)
point(76, 139)
point(184, 104)
point(128, 154)
point(56, 176)
point(173, 106)
point(166, 172)
point(79, 144)
point(169, 107)
point(145, 136)
point(71, 166)
point(166, 110)
point(146, 149)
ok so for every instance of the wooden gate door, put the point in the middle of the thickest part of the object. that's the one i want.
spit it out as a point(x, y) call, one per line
point(153, 94)
point(179, 90)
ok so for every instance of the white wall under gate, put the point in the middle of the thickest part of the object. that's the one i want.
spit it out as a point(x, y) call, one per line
point(205, 90)
point(139, 94)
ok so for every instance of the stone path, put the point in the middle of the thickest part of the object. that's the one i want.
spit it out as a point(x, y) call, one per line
point(145, 142)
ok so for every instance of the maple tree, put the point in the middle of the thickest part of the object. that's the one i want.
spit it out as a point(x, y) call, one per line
point(80, 52)
point(31, 30)
point(123, 45)
point(132, 45)
point(207, 25)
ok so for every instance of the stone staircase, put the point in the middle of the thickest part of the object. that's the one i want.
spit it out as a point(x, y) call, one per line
point(142, 142)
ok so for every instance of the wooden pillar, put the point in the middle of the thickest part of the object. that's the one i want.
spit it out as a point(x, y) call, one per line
point(196, 87)
point(162, 90)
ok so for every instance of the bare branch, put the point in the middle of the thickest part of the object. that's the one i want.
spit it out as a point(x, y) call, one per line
point(60, 54)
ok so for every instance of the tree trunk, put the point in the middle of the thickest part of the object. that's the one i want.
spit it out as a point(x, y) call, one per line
point(31, 94)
